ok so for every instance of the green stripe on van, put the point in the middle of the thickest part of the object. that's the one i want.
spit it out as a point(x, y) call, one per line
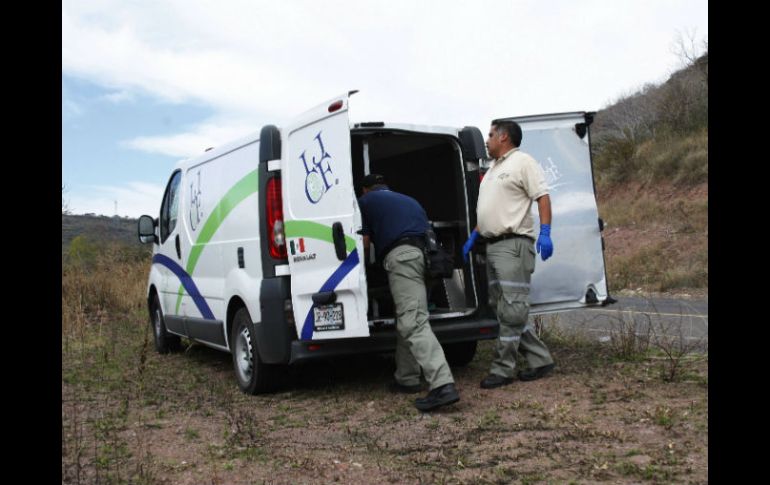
point(315, 230)
point(245, 187)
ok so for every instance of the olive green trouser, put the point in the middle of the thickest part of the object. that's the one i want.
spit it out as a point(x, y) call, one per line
point(416, 345)
point(510, 264)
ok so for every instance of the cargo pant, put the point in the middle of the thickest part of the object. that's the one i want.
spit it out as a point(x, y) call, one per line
point(510, 264)
point(416, 345)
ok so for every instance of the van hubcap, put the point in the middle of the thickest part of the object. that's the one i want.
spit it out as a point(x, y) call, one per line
point(156, 323)
point(243, 355)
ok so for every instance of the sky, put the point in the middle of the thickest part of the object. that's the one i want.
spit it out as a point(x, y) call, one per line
point(148, 83)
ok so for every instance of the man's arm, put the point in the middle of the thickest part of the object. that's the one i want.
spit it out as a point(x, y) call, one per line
point(544, 209)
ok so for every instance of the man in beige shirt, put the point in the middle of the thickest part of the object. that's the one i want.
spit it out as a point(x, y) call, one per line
point(506, 224)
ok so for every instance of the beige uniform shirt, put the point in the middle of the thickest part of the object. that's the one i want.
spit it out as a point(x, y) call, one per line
point(506, 194)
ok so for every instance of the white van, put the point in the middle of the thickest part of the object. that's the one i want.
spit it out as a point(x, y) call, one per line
point(257, 251)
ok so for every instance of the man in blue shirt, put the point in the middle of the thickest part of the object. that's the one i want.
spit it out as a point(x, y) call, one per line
point(396, 223)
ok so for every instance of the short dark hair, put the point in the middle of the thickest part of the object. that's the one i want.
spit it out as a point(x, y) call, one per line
point(511, 128)
point(372, 180)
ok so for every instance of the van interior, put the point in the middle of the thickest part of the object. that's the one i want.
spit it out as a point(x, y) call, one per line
point(429, 168)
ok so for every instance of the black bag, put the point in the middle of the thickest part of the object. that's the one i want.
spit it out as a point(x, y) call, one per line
point(438, 263)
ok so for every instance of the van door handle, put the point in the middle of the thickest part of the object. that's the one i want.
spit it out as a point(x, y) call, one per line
point(178, 249)
point(338, 234)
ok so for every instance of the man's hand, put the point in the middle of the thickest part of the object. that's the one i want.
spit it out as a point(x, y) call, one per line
point(544, 243)
point(469, 244)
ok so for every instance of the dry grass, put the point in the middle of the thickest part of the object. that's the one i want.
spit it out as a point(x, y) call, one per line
point(108, 281)
point(678, 159)
point(130, 415)
point(656, 239)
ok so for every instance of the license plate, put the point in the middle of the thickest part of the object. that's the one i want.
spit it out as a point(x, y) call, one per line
point(328, 317)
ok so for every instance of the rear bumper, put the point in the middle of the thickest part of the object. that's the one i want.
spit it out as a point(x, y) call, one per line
point(384, 340)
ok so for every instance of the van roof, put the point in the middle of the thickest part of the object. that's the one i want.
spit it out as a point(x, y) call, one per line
point(218, 151)
point(254, 137)
point(434, 129)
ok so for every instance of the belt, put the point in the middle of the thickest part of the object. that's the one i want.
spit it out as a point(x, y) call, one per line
point(416, 241)
point(510, 235)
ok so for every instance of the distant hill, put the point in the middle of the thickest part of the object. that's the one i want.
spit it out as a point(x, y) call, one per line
point(658, 134)
point(98, 229)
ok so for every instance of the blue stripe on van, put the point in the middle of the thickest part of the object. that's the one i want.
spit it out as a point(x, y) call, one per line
point(188, 284)
point(346, 267)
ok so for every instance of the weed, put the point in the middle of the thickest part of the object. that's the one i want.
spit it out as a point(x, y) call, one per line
point(679, 350)
point(662, 416)
point(630, 335)
point(490, 420)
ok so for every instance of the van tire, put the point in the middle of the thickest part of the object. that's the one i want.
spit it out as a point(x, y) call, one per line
point(253, 375)
point(460, 353)
point(164, 341)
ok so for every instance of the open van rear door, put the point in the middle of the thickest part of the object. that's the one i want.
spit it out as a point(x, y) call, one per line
point(321, 215)
point(575, 275)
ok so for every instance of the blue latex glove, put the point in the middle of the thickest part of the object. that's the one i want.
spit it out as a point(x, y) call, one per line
point(544, 243)
point(469, 244)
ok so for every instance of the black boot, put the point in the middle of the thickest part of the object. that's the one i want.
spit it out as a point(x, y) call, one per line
point(440, 396)
point(536, 373)
point(493, 380)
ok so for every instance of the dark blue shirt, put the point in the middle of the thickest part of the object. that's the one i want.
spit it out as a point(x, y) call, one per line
point(388, 216)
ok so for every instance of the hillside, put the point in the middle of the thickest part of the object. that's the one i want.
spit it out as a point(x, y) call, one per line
point(98, 229)
point(650, 152)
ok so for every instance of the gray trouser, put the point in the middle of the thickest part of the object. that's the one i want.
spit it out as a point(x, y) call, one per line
point(510, 264)
point(416, 345)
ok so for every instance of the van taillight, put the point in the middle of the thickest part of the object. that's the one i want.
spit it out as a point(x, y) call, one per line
point(275, 235)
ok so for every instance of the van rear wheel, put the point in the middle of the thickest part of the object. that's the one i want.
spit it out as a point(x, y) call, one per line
point(253, 375)
point(164, 341)
point(460, 353)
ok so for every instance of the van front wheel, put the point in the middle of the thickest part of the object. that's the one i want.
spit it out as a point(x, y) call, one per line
point(253, 375)
point(164, 341)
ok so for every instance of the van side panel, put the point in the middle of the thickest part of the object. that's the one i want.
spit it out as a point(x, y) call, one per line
point(201, 258)
point(238, 237)
point(220, 219)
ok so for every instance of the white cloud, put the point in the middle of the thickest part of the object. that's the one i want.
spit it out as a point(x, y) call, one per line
point(133, 199)
point(448, 62)
point(119, 97)
point(195, 141)
point(70, 109)
point(279, 58)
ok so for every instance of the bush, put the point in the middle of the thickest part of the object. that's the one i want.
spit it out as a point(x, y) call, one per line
point(101, 280)
point(656, 133)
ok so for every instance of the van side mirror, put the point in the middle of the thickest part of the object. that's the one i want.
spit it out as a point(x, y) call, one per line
point(147, 230)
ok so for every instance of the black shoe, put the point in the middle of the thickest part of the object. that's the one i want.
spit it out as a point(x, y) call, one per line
point(403, 389)
point(493, 380)
point(440, 396)
point(536, 373)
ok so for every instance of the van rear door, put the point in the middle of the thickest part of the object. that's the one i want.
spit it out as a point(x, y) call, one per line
point(575, 275)
point(321, 216)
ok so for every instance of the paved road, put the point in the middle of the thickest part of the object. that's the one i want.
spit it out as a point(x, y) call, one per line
point(688, 318)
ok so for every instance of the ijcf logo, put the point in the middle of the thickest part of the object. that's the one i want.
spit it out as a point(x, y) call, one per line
point(196, 198)
point(300, 246)
point(319, 173)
